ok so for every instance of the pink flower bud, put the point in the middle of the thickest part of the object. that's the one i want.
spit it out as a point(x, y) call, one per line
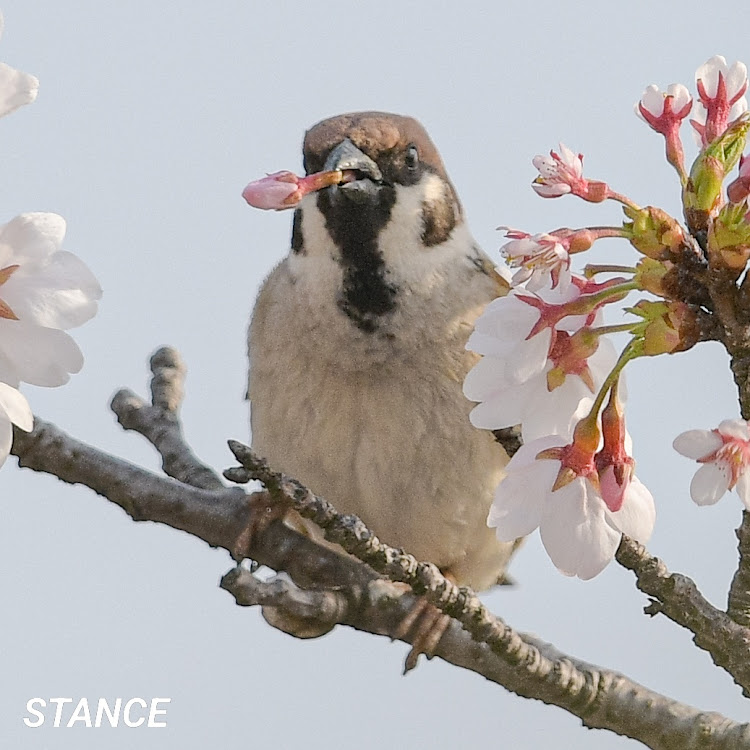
point(664, 112)
point(274, 191)
point(284, 189)
point(613, 462)
point(721, 90)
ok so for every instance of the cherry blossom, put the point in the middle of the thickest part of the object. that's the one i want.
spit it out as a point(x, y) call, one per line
point(43, 292)
point(544, 380)
point(721, 90)
point(562, 173)
point(725, 457)
point(16, 88)
point(579, 532)
point(541, 260)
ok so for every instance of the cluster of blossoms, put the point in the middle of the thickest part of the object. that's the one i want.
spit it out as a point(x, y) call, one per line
point(43, 292)
point(547, 364)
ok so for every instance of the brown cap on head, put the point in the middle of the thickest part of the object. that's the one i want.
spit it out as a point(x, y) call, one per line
point(375, 133)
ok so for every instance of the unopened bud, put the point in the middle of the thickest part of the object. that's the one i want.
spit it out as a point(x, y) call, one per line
point(729, 238)
point(284, 189)
point(653, 232)
point(702, 196)
point(667, 327)
point(650, 274)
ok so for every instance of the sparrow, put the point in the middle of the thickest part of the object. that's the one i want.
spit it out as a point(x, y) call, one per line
point(357, 348)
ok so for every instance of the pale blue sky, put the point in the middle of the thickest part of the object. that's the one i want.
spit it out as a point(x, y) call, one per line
point(151, 118)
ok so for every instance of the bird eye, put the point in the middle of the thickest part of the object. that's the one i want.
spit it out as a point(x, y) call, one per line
point(412, 157)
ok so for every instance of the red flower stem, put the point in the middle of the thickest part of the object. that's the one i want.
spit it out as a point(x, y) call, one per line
point(620, 198)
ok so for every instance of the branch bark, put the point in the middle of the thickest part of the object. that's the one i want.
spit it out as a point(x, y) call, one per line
point(676, 596)
point(600, 698)
point(327, 588)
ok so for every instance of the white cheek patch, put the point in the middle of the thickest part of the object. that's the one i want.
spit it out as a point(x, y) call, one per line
point(404, 251)
point(316, 267)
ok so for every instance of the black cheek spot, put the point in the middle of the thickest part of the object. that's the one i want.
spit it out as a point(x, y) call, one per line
point(297, 246)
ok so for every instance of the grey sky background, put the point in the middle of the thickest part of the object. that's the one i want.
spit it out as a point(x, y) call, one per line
point(151, 118)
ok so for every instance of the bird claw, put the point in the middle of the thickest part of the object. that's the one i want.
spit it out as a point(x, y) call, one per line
point(262, 512)
point(428, 624)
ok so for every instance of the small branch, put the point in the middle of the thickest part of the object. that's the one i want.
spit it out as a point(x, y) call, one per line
point(738, 601)
point(600, 698)
point(299, 612)
point(159, 423)
point(678, 599)
point(731, 309)
point(215, 516)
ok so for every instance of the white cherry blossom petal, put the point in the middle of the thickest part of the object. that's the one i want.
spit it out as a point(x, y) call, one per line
point(735, 78)
point(652, 100)
point(710, 482)
point(17, 408)
point(487, 345)
point(484, 379)
point(555, 412)
point(16, 89)
point(517, 508)
point(735, 428)
point(519, 499)
point(696, 444)
point(40, 356)
point(575, 531)
point(680, 96)
point(708, 73)
point(530, 358)
point(62, 293)
point(31, 237)
point(505, 408)
point(637, 515)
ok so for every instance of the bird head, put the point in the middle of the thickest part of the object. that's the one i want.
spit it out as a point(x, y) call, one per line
point(396, 208)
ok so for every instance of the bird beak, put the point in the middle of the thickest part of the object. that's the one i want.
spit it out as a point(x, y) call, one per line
point(364, 175)
point(347, 156)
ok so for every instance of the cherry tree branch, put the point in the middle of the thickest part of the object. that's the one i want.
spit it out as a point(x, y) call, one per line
point(596, 696)
point(326, 588)
point(731, 311)
point(739, 592)
point(159, 421)
point(676, 596)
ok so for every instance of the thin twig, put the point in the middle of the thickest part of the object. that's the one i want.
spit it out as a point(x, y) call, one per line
point(677, 597)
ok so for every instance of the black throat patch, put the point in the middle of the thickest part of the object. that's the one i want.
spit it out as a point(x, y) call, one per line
point(367, 294)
